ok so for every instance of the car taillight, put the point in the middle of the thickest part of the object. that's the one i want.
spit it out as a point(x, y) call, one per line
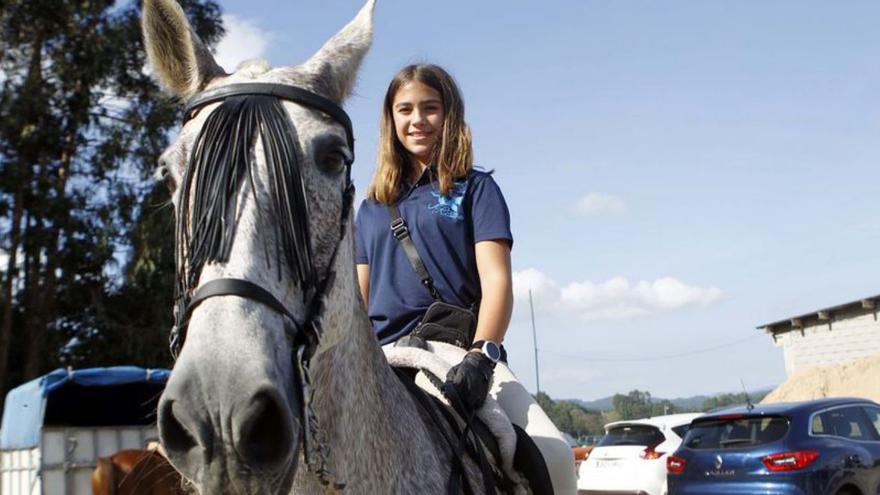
point(790, 461)
point(649, 454)
point(581, 453)
point(675, 465)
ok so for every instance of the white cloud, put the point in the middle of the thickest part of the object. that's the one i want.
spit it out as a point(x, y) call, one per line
point(243, 40)
point(671, 293)
point(614, 299)
point(596, 204)
point(534, 280)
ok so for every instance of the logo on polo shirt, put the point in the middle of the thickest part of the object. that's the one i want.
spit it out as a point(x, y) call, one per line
point(450, 206)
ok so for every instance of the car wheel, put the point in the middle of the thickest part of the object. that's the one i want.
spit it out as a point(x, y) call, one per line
point(846, 491)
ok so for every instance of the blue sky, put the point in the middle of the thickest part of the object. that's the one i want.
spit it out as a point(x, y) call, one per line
point(677, 172)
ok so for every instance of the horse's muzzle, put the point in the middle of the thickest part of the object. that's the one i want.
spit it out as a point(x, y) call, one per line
point(237, 434)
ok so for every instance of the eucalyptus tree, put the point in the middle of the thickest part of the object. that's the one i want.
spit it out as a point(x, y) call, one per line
point(81, 127)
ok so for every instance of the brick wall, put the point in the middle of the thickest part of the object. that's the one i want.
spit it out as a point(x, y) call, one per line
point(839, 340)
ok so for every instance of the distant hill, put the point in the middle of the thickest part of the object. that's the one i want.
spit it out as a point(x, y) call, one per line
point(603, 404)
point(684, 403)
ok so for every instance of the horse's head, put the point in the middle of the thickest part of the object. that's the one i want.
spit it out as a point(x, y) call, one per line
point(261, 186)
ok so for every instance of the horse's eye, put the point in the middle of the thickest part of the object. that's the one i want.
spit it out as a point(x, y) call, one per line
point(333, 162)
point(166, 177)
point(170, 183)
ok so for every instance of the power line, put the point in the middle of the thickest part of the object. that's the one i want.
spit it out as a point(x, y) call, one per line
point(654, 358)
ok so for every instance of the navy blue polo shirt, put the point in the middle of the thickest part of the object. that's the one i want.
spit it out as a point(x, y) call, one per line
point(444, 230)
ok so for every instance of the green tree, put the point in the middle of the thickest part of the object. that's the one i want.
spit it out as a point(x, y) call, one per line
point(611, 416)
point(636, 404)
point(663, 407)
point(594, 423)
point(731, 400)
point(571, 417)
point(545, 401)
point(81, 127)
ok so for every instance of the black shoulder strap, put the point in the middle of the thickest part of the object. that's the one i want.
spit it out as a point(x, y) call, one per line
point(400, 232)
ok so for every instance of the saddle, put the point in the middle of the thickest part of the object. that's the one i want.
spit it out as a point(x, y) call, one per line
point(455, 433)
point(520, 464)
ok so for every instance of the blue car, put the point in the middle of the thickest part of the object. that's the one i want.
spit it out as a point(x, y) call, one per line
point(819, 447)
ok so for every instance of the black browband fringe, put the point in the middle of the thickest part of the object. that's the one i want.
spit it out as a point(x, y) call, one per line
point(219, 166)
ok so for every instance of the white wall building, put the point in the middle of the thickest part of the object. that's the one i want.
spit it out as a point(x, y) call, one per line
point(829, 336)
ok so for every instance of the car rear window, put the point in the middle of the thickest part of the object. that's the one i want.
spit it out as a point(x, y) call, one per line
point(632, 435)
point(739, 432)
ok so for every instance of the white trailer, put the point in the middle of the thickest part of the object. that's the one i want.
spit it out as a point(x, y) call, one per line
point(55, 427)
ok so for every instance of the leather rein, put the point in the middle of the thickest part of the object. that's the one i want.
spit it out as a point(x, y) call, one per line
point(305, 334)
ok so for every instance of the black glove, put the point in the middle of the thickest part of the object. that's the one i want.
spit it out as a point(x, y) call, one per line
point(467, 383)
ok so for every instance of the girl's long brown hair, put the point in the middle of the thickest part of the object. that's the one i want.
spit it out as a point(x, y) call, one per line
point(453, 153)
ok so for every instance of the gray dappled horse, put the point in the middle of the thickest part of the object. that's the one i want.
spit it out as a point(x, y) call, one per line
point(267, 297)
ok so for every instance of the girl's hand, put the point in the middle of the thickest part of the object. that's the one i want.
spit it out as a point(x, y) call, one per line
point(467, 383)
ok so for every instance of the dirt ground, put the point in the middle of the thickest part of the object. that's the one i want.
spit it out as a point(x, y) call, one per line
point(859, 378)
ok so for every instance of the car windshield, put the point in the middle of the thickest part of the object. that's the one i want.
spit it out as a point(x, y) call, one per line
point(642, 435)
point(738, 432)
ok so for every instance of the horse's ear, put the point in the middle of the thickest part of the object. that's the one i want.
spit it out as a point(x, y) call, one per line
point(182, 63)
point(335, 65)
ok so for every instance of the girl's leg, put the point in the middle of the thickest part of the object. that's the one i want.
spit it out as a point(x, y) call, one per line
point(524, 412)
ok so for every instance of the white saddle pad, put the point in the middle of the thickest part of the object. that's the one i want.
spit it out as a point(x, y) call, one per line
point(438, 359)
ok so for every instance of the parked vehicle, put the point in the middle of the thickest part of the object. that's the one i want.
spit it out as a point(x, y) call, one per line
point(820, 447)
point(55, 427)
point(580, 455)
point(630, 458)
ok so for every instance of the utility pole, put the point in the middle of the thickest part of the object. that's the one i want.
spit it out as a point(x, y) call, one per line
point(535, 341)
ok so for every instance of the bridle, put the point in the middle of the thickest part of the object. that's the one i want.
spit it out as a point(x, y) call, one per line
point(306, 334)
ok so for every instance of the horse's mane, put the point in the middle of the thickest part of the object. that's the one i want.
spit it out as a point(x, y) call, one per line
point(218, 168)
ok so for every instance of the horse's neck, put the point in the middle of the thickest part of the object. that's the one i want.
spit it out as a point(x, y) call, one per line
point(350, 378)
point(351, 384)
point(371, 427)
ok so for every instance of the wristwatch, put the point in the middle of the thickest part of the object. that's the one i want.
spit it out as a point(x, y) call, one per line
point(489, 349)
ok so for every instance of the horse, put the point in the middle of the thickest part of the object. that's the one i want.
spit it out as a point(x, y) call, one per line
point(279, 384)
point(136, 472)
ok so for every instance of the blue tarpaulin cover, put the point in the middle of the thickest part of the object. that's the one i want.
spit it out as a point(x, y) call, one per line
point(26, 404)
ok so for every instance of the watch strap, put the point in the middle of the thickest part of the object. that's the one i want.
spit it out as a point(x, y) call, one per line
point(481, 344)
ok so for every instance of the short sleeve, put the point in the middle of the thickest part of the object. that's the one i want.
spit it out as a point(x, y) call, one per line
point(489, 214)
point(360, 253)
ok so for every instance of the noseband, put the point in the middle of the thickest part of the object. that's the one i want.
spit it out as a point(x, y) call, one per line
point(305, 334)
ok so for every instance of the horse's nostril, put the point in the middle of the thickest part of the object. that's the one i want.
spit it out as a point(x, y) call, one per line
point(177, 438)
point(265, 433)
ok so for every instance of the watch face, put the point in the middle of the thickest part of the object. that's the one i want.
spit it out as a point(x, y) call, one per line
point(492, 351)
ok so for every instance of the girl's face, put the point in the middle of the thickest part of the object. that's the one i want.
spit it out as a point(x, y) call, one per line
point(418, 119)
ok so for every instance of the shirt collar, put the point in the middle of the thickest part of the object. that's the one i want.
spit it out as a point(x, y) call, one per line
point(427, 175)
